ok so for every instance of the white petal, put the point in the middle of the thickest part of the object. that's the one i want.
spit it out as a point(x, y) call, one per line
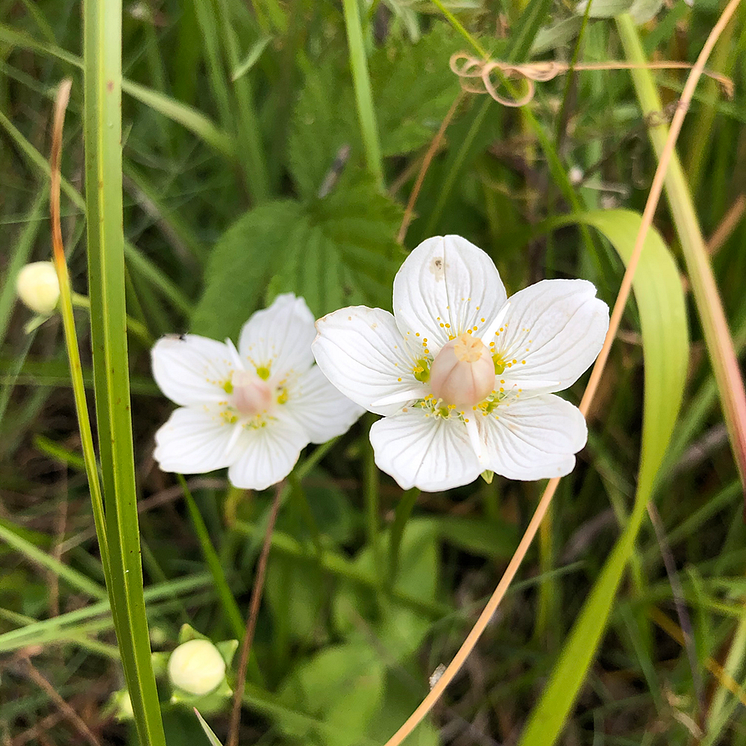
point(319, 408)
point(445, 287)
point(557, 327)
point(279, 338)
point(265, 455)
point(190, 369)
point(534, 438)
point(361, 351)
point(430, 453)
point(194, 440)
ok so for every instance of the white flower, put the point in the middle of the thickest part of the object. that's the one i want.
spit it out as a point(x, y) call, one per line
point(252, 409)
point(38, 287)
point(196, 667)
point(462, 376)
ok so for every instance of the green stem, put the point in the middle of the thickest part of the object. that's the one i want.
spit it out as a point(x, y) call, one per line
point(102, 38)
point(372, 503)
point(403, 511)
point(227, 599)
point(363, 93)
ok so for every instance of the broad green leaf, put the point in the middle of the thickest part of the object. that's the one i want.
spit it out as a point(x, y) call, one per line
point(240, 266)
point(660, 300)
point(335, 251)
point(343, 251)
point(400, 628)
point(477, 536)
point(343, 685)
point(413, 88)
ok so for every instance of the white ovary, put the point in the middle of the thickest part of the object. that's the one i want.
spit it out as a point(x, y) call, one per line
point(251, 395)
point(463, 372)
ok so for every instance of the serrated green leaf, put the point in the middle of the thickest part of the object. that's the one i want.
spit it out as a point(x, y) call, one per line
point(343, 252)
point(240, 266)
point(413, 87)
point(665, 341)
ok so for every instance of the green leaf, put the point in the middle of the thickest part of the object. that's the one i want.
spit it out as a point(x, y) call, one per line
point(343, 686)
point(477, 536)
point(405, 122)
point(557, 35)
point(660, 301)
point(604, 8)
point(240, 266)
point(347, 254)
point(335, 251)
point(106, 271)
point(211, 737)
point(399, 628)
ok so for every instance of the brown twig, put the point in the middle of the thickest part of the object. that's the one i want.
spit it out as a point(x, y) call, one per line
point(256, 599)
point(76, 721)
point(681, 611)
point(590, 391)
point(727, 225)
point(429, 155)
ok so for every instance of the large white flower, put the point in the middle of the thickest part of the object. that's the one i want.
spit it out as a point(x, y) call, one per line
point(462, 375)
point(252, 409)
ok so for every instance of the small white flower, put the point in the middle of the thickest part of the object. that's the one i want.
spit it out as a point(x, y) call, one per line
point(197, 667)
point(462, 376)
point(38, 287)
point(252, 409)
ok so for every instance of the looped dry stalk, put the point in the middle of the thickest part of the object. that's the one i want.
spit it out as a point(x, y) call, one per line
point(469, 68)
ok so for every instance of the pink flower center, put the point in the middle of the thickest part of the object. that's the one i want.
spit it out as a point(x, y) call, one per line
point(463, 373)
point(251, 395)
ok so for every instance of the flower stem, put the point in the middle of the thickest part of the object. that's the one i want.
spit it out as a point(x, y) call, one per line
point(228, 600)
point(363, 93)
point(403, 511)
point(372, 504)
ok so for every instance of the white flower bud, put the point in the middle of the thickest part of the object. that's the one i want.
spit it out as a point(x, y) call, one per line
point(463, 372)
point(37, 286)
point(196, 667)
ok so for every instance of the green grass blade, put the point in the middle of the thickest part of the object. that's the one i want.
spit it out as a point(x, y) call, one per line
point(174, 110)
point(363, 93)
point(38, 557)
point(660, 300)
point(227, 599)
point(103, 161)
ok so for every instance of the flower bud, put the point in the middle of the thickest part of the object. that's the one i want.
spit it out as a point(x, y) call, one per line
point(37, 286)
point(251, 395)
point(196, 667)
point(463, 373)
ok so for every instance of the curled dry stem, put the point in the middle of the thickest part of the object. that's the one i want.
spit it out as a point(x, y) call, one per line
point(469, 68)
point(624, 291)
